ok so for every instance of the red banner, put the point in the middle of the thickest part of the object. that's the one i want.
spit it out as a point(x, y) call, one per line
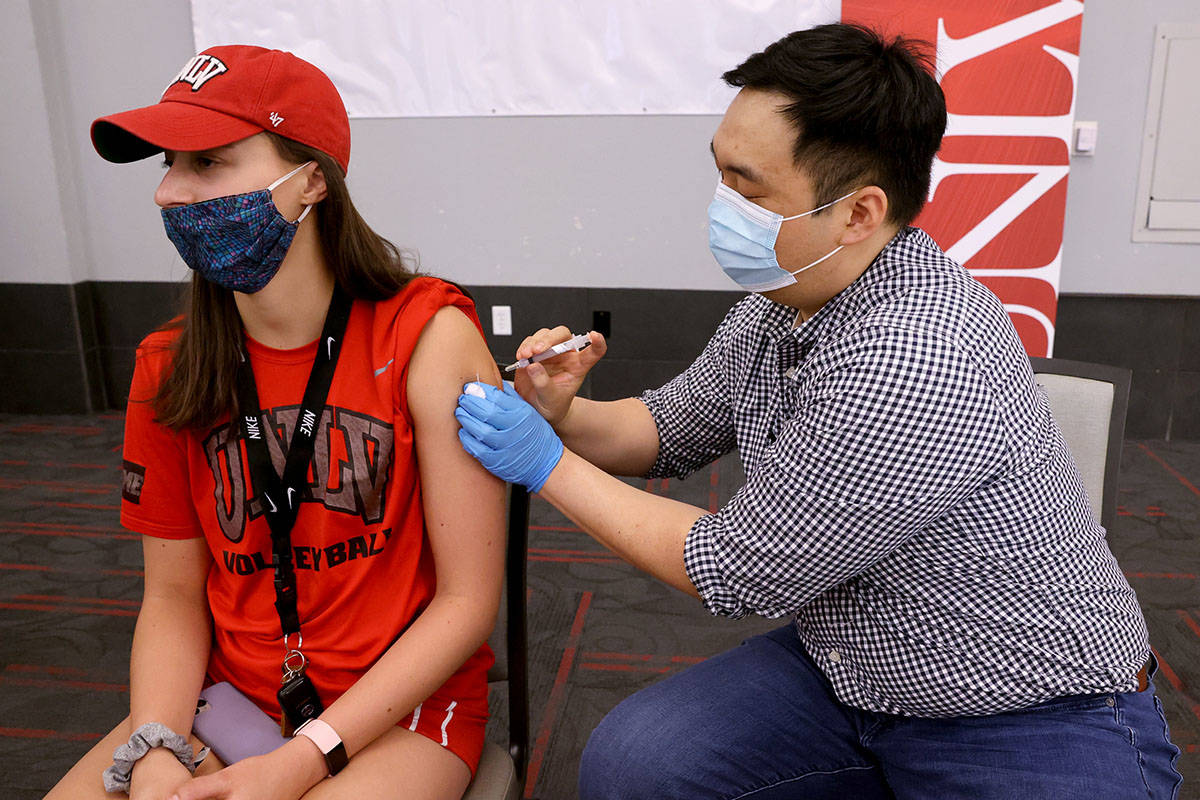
point(999, 191)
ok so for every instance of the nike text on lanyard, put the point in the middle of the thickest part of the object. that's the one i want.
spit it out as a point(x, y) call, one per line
point(280, 496)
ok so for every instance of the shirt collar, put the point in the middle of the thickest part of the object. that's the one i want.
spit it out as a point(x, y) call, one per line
point(777, 319)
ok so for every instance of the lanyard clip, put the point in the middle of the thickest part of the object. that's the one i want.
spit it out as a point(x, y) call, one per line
point(294, 660)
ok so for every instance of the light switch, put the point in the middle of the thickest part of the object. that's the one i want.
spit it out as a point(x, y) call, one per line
point(1085, 138)
point(502, 320)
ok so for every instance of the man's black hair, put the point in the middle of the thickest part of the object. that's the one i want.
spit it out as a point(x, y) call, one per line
point(867, 111)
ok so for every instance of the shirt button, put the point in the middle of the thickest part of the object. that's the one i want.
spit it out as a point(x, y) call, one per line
point(835, 656)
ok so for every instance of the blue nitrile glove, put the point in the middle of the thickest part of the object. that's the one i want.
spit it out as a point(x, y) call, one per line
point(507, 435)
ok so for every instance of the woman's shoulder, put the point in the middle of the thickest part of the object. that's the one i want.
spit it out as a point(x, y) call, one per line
point(428, 290)
point(158, 345)
point(410, 309)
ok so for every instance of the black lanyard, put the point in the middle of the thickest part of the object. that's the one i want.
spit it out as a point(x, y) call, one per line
point(280, 497)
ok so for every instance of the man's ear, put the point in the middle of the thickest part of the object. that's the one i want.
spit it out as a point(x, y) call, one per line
point(315, 189)
point(868, 213)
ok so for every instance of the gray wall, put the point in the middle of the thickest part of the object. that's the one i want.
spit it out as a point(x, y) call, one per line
point(31, 216)
point(567, 201)
point(1099, 256)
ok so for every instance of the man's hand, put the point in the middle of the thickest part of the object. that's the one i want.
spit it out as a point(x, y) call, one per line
point(506, 435)
point(551, 385)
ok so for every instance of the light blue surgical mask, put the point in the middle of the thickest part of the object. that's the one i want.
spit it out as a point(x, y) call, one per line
point(742, 238)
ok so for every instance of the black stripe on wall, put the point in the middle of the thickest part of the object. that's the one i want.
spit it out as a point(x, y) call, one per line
point(69, 349)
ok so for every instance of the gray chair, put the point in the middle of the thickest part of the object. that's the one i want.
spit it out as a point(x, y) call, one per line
point(501, 773)
point(1089, 403)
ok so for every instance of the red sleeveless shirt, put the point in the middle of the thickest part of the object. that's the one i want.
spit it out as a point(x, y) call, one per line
point(364, 568)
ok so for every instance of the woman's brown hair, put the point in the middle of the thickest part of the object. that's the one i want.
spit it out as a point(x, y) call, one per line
point(200, 387)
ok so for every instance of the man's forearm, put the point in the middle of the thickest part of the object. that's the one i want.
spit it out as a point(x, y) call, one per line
point(646, 530)
point(618, 436)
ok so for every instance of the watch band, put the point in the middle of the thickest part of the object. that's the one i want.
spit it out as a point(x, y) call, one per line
point(326, 739)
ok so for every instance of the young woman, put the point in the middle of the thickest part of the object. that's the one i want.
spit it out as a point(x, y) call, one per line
point(395, 554)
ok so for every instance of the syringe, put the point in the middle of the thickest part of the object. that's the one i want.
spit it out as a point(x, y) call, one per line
point(579, 342)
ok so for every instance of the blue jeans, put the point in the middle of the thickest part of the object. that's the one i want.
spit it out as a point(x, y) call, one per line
point(761, 721)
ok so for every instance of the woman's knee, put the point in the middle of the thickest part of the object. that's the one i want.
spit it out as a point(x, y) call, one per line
point(83, 779)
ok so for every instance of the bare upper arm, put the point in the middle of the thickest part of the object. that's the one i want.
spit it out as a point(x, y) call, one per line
point(463, 503)
point(176, 568)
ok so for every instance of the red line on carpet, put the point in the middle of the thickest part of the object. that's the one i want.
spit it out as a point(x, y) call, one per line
point(63, 526)
point(576, 560)
point(1169, 469)
point(58, 486)
point(35, 529)
point(610, 656)
point(1183, 576)
point(1189, 621)
point(550, 715)
point(104, 612)
point(130, 573)
point(46, 668)
point(624, 668)
point(548, 551)
point(92, 506)
point(56, 465)
point(44, 683)
point(68, 430)
point(58, 598)
point(37, 733)
point(571, 528)
point(1167, 672)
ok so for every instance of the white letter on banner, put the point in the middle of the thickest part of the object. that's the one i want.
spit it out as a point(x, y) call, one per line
point(953, 52)
point(1045, 177)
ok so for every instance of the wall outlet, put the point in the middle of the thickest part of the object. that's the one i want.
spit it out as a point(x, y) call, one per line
point(502, 320)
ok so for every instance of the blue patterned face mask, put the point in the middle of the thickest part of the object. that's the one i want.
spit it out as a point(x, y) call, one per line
point(237, 241)
point(742, 238)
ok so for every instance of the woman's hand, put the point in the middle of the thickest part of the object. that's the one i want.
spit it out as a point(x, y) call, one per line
point(551, 385)
point(284, 774)
point(157, 775)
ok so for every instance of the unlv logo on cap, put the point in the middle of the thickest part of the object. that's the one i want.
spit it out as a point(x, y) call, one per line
point(199, 70)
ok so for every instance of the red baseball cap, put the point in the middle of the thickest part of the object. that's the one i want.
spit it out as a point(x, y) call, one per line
point(224, 95)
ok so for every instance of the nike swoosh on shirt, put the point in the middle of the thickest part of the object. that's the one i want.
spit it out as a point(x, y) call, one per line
point(329, 347)
point(383, 369)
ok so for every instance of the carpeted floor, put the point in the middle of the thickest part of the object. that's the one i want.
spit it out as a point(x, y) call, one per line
point(70, 585)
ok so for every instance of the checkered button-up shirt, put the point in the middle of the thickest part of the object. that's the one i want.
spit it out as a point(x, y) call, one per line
point(908, 497)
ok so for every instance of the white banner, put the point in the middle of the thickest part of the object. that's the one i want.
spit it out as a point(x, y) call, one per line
point(440, 58)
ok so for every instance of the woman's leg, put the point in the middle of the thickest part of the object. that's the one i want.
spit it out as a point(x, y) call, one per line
point(84, 782)
point(399, 764)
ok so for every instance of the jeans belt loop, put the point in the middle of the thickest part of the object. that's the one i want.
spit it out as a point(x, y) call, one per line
point(1143, 676)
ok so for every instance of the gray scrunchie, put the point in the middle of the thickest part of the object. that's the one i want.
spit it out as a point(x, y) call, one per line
point(144, 739)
